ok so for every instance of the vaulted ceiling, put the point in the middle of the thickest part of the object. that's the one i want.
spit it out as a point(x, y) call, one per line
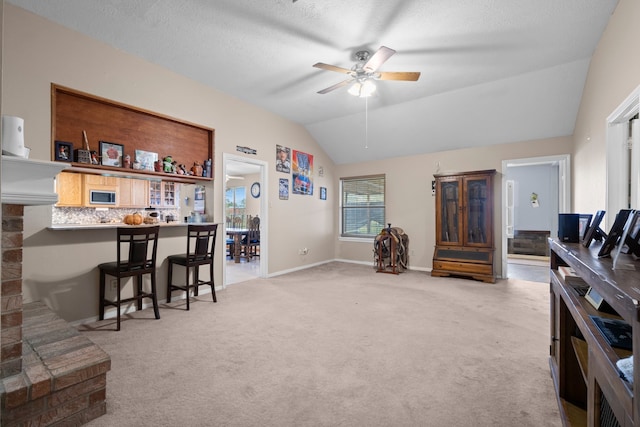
point(492, 71)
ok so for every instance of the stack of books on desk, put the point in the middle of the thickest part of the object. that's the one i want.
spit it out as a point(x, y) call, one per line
point(572, 279)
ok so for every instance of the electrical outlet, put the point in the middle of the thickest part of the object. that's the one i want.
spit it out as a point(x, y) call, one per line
point(113, 285)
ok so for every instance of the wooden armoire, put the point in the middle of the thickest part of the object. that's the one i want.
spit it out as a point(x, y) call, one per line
point(464, 225)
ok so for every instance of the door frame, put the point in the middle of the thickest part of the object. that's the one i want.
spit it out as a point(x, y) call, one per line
point(564, 192)
point(264, 212)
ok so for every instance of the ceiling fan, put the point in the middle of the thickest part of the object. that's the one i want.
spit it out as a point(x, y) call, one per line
point(366, 69)
point(228, 177)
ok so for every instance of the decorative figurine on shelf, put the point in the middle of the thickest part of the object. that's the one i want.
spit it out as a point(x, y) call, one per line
point(196, 169)
point(126, 163)
point(182, 170)
point(207, 169)
point(168, 167)
point(174, 167)
point(158, 166)
point(94, 158)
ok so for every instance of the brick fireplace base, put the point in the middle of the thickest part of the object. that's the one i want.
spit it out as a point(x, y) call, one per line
point(64, 375)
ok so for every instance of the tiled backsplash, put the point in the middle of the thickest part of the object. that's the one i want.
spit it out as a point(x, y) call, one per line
point(93, 216)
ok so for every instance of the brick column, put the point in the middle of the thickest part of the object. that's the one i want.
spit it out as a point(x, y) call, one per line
point(11, 291)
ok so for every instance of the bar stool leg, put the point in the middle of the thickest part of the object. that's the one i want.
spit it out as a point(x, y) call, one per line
point(196, 279)
point(102, 293)
point(139, 289)
point(118, 306)
point(186, 284)
point(169, 281)
point(154, 295)
point(213, 285)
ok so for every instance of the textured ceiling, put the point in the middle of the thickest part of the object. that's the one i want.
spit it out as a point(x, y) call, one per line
point(493, 71)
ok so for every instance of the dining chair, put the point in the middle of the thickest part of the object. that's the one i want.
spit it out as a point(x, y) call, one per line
point(135, 256)
point(201, 243)
point(251, 241)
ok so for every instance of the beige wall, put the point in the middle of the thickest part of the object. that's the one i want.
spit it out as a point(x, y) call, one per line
point(613, 74)
point(410, 204)
point(60, 267)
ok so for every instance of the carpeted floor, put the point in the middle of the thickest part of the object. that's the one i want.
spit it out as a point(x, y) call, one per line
point(336, 345)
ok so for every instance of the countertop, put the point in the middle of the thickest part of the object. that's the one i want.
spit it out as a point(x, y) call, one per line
point(102, 226)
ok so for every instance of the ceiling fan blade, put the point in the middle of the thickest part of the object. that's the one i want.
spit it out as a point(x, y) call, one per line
point(335, 86)
point(399, 75)
point(331, 68)
point(378, 58)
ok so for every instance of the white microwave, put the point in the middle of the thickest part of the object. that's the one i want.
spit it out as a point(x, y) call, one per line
point(102, 197)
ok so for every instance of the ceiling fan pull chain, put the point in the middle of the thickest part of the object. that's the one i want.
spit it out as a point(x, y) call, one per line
point(366, 122)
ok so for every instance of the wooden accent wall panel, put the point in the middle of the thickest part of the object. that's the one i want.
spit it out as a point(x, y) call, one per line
point(135, 128)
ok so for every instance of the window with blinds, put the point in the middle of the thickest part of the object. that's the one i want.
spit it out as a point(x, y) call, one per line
point(362, 206)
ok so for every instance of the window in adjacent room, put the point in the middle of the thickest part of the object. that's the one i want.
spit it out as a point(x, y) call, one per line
point(362, 206)
point(235, 206)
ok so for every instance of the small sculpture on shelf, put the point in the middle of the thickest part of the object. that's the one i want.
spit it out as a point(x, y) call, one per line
point(168, 164)
point(182, 169)
point(196, 169)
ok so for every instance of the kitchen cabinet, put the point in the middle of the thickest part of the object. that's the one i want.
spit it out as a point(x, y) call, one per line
point(69, 189)
point(163, 194)
point(464, 225)
point(99, 183)
point(133, 193)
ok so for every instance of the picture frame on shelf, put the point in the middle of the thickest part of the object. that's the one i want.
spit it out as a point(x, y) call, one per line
point(632, 240)
point(111, 154)
point(594, 232)
point(583, 224)
point(147, 159)
point(616, 231)
point(625, 240)
point(63, 151)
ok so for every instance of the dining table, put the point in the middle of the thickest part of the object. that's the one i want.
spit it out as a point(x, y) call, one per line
point(237, 234)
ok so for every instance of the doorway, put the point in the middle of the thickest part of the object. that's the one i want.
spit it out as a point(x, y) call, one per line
point(245, 180)
point(517, 196)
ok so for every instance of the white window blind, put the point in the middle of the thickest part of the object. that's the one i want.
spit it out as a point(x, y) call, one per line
point(362, 206)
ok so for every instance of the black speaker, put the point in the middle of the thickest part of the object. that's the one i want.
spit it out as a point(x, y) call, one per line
point(569, 228)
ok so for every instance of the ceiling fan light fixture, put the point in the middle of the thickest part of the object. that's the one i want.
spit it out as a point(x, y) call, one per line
point(362, 89)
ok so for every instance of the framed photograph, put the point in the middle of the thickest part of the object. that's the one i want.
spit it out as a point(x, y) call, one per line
point(323, 193)
point(302, 169)
point(625, 240)
point(146, 159)
point(283, 189)
point(632, 239)
point(283, 159)
point(585, 222)
point(594, 232)
point(611, 240)
point(111, 153)
point(64, 151)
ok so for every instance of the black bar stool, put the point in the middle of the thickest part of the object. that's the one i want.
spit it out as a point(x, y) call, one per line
point(136, 256)
point(201, 244)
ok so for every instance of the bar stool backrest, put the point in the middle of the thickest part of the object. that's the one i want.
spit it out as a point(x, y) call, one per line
point(140, 245)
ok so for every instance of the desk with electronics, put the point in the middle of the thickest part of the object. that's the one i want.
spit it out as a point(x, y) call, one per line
point(595, 323)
